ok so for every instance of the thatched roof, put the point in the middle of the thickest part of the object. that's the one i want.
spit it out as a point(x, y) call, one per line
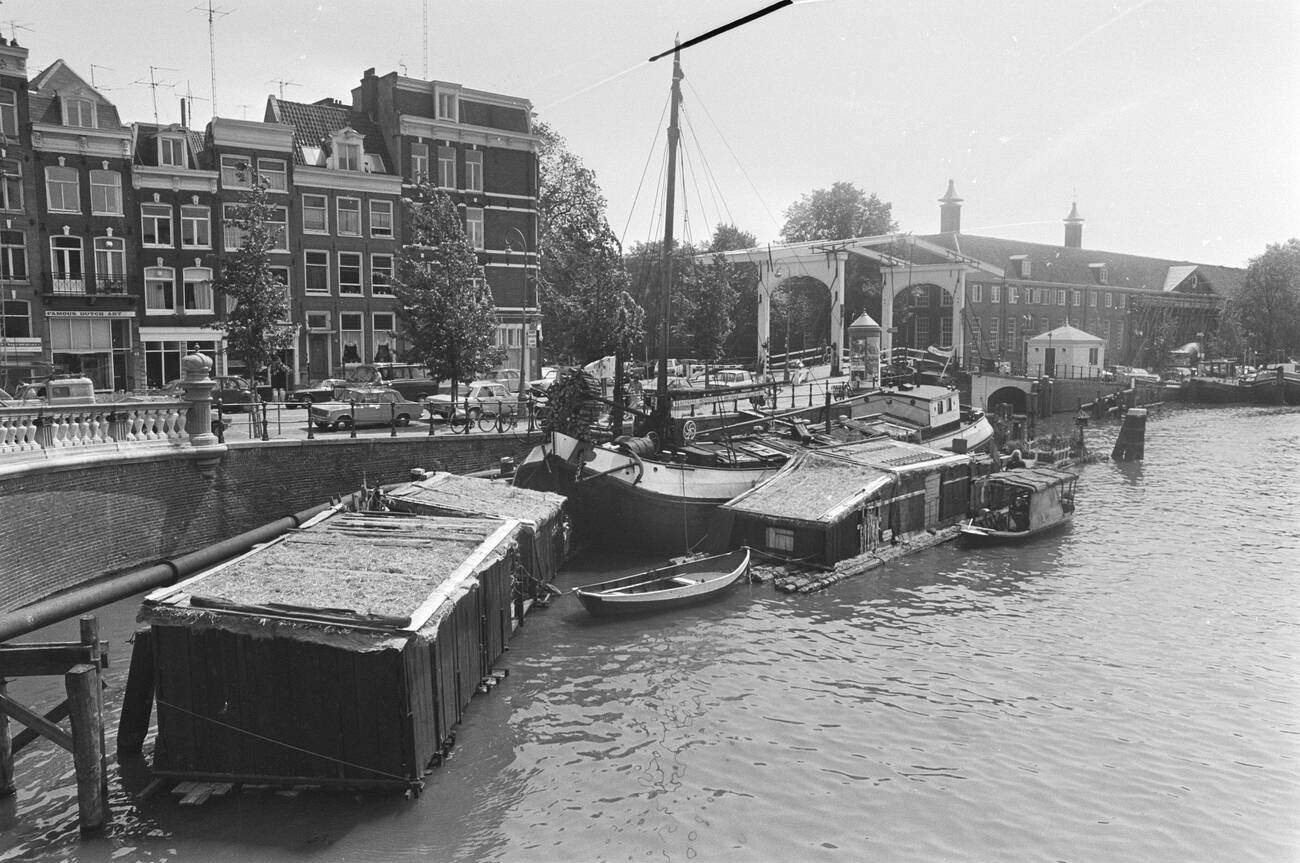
point(450, 494)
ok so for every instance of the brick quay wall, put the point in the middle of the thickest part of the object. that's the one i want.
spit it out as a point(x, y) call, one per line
point(67, 524)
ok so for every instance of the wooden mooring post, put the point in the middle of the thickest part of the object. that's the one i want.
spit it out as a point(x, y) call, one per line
point(81, 664)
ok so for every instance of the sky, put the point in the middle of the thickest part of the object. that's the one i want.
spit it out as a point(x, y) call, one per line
point(1174, 124)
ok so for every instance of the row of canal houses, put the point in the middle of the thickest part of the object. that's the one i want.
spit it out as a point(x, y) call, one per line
point(113, 232)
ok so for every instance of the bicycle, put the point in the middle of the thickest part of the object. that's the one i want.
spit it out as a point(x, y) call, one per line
point(499, 420)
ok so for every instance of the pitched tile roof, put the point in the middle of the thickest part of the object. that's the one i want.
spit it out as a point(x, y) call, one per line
point(316, 122)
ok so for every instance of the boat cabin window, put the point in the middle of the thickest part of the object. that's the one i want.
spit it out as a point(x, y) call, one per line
point(780, 539)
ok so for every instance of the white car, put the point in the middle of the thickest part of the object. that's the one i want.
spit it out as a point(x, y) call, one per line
point(364, 406)
point(479, 397)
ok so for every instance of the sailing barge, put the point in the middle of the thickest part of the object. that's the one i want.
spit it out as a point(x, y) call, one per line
point(343, 653)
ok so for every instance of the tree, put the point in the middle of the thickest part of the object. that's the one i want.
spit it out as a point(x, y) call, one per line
point(444, 302)
point(587, 308)
point(1268, 306)
point(743, 338)
point(713, 298)
point(258, 307)
point(837, 213)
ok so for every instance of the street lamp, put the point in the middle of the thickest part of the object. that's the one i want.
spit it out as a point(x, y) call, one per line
point(516, 242)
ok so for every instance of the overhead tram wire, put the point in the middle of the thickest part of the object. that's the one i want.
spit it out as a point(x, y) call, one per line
point(739, 164)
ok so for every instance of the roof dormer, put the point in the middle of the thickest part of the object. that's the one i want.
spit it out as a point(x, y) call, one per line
point(172, 148)
point(78, 107)
point(346, 150)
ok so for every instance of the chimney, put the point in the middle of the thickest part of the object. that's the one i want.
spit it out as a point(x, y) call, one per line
point(1074, 228)
point(185, 115)
point(950, 211)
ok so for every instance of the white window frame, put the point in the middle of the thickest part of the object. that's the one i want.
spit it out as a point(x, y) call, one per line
point(446, 105)
point(419, 161)
point(384, 288)
point(345, 331)
point(110, 191)
point(322, 265)
point(354, 262)
point(995, 293)
point(1109, 298)
point(347, 156)
point(232, 237)
point(977, 292)
point(160, 216)
point(109, 255)
point(323, 208)
point(201, 280)
point(1060, 296)
point(474, 227)
point(282, 233)
point(11, 184)
point(11, 253)
point(339, 226)
point(381, 215)
point(8, 113)
point(154, 276)
point(171, 151)
point(10, 316)
point(318, 321)
point(473, 170)
point(1013, 295)
point(446, 167)
point(68, 181)
point(236, 171)
point(275, 172)
point(82, 105)
point(63, 251)
point(193, 222)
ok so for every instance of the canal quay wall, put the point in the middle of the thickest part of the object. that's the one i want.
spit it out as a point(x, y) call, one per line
point(79, 516)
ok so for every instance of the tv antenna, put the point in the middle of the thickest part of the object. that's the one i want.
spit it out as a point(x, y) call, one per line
point(93, 67)
point(283, 83)
point(188, 111)
point(14, 27)
point(212, 44)
point(154, 84)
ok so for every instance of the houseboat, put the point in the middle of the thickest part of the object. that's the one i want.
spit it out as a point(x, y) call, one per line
point(1016, 505)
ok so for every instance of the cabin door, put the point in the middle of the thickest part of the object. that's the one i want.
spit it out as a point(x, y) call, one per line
point(1049, 362)
point(318, 353)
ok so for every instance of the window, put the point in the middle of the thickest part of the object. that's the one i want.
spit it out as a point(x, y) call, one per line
point(1106, 301)
point(274, 174)
point(350, 335)
point(945, 298)
point(1092, 356)
point(977, 292)
point(474, 170)
point(1060, 296)
point(159, 290)
point(348, 217)
point(381, 274)
point(474, 226)
point(315, 214)
point(447, 106)
point(15, 319)
point(945, 330)
point(446, 167)
point(62, 190)
point(277, 222)
point(233, 235)
point(921, 296)
point(11, 190)
point(1012, 295)
point(1043, 325)
point(8, 113)
point(349, 272)
point(1119, 301)
point(13, 256)
point(922, 332)
point(171, 152)
point(316, 271)
point(1099, 272)
point(106, 193)
point(198, 289)
point(780, 539)
point(383, 325)
point(1105, 331)
point(78, 112)
point(318, 322)
point(280, 275)
point(995, 293)
point(234, 172)
point(66, 265)
point(1022, 265)
point(1030, 294)
point(156, 224)
point(110, 265)
point(196, 227)
point(419, 161)
point(347, 157)
point(1092, 299)
point(1010, 338)
point(381, 218)
point(995, 339)
point(1077, 299)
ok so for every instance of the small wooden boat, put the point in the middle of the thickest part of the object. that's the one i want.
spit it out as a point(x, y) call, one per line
point(667, 586)
point(1020, 504)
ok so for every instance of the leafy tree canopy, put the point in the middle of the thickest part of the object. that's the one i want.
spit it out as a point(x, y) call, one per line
point(1268, 307)
point(837, 213)
point(444, 302)
point(255, 328)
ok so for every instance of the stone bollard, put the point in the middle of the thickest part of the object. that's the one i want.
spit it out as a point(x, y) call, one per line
point(198, 385)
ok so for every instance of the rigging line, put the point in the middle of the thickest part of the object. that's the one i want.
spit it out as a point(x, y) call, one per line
point(590, 87)
point(717, 31)
point(640, 183)
point(727, 144)
point(715, 190)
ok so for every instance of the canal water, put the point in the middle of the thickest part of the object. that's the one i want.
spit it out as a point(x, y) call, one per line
point(1126, 690)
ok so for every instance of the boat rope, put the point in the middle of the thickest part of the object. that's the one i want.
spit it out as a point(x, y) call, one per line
point(711, 181)
point(321, 755)
point(641, 183)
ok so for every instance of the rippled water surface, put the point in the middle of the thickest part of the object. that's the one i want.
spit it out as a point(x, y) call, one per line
point(1125, 690)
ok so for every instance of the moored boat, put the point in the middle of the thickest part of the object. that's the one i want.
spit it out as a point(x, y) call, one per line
point(1019, 504)
point(666, 587)
point(925, 414)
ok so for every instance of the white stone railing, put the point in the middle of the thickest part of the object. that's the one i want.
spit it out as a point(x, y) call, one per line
point(49, 431)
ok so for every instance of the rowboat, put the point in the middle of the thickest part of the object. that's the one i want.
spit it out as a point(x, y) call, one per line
point(665, 587)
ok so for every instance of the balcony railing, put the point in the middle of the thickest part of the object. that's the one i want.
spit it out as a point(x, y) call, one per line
point(86, 285)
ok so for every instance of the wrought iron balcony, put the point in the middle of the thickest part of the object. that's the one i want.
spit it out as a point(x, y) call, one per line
point(83, 285)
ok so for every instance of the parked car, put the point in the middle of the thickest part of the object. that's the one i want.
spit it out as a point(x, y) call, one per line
point(410, 379)
point(314, 393)
point(480, 396)
point(364, 406)
point(542, 384)
point(59, 390)
point(230, 394)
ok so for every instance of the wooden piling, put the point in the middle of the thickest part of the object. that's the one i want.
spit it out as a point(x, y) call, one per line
point(6, 751)
point(82, 683)
point(137, 701)
point(1131, 443)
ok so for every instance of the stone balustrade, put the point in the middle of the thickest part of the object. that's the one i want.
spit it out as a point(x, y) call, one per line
point(45, 431)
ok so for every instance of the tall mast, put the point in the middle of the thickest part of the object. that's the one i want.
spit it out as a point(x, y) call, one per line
point(666, 289)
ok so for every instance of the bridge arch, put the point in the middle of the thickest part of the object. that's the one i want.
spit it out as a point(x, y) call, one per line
point(1015, 396)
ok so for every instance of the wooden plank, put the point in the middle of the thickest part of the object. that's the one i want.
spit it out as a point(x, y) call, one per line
point(6, 749)
point(27, 736)
point(467, 567)
point(137, 699)
point(36, 722)
point(30, 660)
point(86, 718)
